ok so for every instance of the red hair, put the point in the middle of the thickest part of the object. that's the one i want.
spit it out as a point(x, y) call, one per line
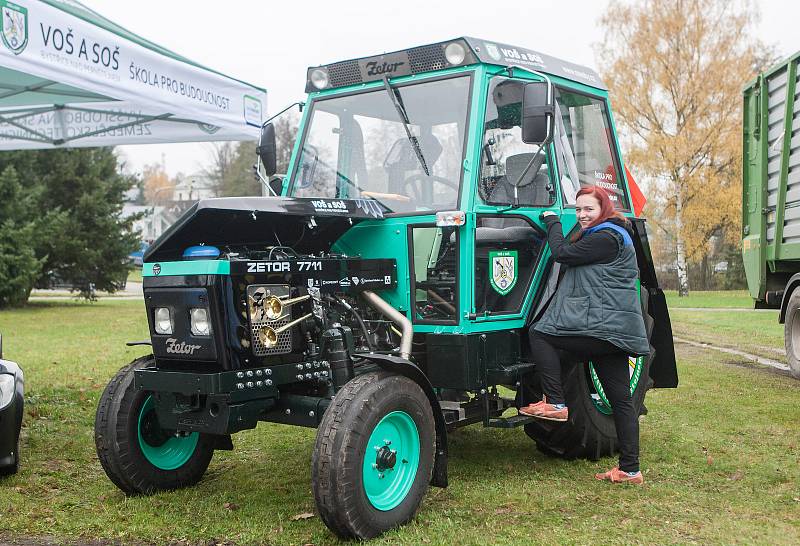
point(607, 209)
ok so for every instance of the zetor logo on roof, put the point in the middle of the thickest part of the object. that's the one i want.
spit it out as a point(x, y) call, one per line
point(15, 26)
point(375, 69)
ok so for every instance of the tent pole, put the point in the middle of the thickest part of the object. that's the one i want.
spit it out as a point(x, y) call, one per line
point(42, 136)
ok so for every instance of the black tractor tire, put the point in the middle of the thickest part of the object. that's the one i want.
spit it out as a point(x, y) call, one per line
point(116, 434)
point(342, 449)
point(588, 433)
point(791, 333)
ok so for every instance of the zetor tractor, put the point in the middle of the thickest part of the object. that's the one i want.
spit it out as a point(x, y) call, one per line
point(384, 294)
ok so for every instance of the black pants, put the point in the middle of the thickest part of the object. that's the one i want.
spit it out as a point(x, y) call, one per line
point(611, 365)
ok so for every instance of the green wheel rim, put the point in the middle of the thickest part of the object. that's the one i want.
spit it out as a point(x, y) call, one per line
point(391, 460)
point(598, 395)
point(160, 447)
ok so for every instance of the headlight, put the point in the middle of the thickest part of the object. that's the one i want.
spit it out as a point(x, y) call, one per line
point(199, 321)
point(319, 78)
point(163, 320)
point(454, 53)
point(6, 389)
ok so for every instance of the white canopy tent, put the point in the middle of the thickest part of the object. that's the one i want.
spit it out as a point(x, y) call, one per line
point(71, 78)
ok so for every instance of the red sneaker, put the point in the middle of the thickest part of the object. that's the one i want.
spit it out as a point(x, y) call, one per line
point(531, 408)
point(543, 410)
point(615, 475)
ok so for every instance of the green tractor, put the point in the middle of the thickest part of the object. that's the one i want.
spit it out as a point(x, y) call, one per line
point(384, 294)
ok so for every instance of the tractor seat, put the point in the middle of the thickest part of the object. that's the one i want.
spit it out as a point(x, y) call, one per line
point(495, 236)
point(531, 190)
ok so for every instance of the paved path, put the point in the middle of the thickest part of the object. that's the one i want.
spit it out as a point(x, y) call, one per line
point(755, 358)
point(721, 309)
point(133, 290)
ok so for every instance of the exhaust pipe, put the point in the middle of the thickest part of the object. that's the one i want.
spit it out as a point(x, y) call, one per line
point(395, 316)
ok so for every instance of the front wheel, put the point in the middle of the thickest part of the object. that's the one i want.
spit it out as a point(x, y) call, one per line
point(373, 456)
point(137, 454)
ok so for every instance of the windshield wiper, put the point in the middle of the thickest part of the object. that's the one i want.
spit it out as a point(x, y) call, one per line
point(397, 100)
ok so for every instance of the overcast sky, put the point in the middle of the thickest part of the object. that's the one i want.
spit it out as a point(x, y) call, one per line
point(270, 44)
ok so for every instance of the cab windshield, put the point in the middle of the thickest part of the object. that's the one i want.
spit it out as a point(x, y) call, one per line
point(405, 151)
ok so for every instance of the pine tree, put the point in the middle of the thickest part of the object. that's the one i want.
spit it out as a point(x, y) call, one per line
point(73, 199)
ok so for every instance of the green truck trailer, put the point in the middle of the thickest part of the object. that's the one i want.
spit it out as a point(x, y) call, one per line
point(771, 198)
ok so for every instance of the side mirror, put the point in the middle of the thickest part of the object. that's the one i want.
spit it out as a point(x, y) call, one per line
point(537, 113)
point(267, 149)
point(276, 184)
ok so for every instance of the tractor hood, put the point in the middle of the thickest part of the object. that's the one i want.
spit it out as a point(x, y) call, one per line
point(306, 225)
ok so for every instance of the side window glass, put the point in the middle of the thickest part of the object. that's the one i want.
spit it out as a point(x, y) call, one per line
point(588, 130)
point(319, 159)
point(504, 157)
point(434, 252)
point(507, 250)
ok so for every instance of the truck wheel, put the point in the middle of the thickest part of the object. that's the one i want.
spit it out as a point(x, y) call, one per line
point(791, 333)
point(136, 453)
point(590, 432)
point(373, 456)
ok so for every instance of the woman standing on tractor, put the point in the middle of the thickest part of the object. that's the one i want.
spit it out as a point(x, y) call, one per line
point(595, 315)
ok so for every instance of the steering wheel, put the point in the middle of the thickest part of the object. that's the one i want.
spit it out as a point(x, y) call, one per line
point(417, 188)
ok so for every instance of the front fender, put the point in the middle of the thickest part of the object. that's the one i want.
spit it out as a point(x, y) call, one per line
point(401, 366)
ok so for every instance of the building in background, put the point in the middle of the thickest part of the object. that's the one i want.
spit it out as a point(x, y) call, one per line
point(188, 190)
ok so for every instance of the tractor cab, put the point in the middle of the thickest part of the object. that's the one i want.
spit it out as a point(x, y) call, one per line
point(462, 144)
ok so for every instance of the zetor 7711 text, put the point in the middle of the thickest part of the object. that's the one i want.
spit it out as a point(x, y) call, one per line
point(384, 294)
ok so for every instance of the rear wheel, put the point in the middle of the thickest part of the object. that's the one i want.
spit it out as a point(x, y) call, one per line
point(590, 432)
point(137, 454)
point(791, 333)
point(373, 456)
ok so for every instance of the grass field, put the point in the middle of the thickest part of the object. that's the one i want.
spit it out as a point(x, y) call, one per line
point(135, 275)
point(715, 473)
point(731, 323)
point(711, 298)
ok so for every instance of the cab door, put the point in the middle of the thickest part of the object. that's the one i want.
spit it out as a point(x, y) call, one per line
point(509, 242)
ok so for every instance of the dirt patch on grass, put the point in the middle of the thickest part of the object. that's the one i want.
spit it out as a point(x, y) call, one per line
point(7, 540)
point(684, 350)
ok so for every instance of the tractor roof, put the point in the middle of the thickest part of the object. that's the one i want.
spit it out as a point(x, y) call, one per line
point(432, 57)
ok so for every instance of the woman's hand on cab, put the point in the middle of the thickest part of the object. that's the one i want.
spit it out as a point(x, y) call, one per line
point(546, 214)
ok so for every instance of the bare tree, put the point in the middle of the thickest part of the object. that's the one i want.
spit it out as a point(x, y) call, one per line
point(285, 134)
point(221, 156)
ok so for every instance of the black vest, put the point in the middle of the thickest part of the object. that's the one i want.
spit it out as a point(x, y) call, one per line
point(601, 300)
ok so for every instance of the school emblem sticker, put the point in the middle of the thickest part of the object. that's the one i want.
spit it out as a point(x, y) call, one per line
point(15, 26)
point(503, 270)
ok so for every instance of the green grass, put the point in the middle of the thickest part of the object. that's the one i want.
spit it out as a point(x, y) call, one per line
point(756, 332)
point(135, 274)
point(712, 298)
point(715, 474)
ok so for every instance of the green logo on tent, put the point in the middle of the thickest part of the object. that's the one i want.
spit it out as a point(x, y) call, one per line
point(15, 26)
point(503, 270)
point(208, 128)
point(252, 111)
